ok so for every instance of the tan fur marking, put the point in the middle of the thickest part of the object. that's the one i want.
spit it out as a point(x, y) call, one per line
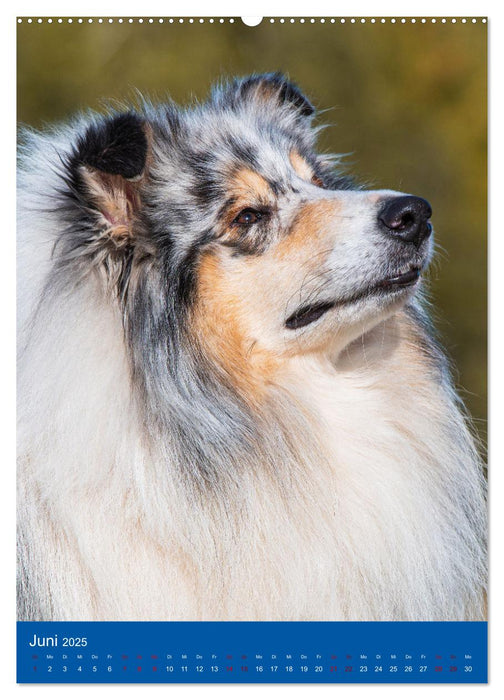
point(220, 324)
point(302, 168)
point(249, 186)
point(310, 228)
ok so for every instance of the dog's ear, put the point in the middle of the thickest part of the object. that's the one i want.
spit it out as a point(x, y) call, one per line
point(273, 88)
point(108, 167)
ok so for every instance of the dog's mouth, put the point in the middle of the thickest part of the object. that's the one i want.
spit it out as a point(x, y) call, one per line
point(406, 279)
point(309, 313)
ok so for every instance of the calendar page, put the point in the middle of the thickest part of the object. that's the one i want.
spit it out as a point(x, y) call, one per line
point(252, 350)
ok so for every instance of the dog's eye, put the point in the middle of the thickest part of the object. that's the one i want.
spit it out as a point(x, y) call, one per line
point(317, 181)
point(247, 217)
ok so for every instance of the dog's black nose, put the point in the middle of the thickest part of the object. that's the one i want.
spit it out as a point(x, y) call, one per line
point(407, 218)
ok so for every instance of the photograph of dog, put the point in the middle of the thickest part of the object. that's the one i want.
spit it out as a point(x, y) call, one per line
point(232, 405)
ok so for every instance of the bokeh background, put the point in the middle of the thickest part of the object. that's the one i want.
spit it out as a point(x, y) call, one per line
point(408, 104)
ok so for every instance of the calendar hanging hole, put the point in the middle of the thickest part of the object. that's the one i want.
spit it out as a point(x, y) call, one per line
point(252, 21)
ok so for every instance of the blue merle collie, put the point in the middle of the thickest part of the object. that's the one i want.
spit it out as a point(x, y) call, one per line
point(230, 403)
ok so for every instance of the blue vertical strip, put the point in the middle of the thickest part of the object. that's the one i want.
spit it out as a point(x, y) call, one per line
point(252, 652)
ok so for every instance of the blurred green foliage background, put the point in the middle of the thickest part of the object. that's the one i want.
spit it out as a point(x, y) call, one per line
point(408, 103)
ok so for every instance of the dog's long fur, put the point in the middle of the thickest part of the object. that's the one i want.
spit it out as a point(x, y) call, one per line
point(184, 453)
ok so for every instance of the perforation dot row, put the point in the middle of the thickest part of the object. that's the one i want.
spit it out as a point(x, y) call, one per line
point(273, 20)
point(381, 20)
point(120, 20)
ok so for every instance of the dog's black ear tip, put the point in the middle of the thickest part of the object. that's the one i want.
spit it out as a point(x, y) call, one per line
point(290, 92)
point(274, 87)
point(107, 174)
point(116, 145)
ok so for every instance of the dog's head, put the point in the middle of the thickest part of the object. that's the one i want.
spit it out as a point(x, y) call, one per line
point(225, 216)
